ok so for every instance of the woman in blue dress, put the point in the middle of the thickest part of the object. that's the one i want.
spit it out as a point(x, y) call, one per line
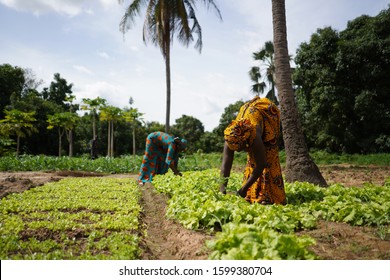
point(161, 153)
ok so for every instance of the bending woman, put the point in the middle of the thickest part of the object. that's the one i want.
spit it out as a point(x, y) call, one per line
point(161, 153)
point(256, 130)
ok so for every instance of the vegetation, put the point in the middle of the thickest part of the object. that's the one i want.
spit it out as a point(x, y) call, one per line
point(101, 220)
point(188, 162)
point(125, 164)
point(252, 231)
point(343, 88)
point(76, 218)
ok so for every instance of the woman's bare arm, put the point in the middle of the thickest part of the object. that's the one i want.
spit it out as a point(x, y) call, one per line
point(226, 167)
point(260, 162)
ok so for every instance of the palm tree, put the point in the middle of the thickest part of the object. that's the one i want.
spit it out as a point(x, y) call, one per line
point(299, 165)
point(93, 105)
point(110, 114)
point(132, 116)
point(163, 19)
point(255, 74)
point(65, 123)
point(266, 56)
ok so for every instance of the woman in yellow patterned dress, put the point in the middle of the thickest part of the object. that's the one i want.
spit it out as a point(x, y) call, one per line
point(256, 130)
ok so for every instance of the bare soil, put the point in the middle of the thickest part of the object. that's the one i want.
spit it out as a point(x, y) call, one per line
point(167, 240)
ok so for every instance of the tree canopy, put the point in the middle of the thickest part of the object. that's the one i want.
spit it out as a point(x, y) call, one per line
point(343, 86)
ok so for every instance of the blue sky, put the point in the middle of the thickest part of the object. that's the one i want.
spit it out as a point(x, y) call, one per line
point(80, 39)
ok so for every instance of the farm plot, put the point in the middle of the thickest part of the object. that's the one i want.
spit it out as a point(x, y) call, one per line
point(245, 231)
point(75, 218)
point(89, 218)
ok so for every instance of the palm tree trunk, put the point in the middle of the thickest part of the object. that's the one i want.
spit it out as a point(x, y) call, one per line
point(168, 82)
point(71, 143)
point(93, 124)
point(109, 138)
point(17, 145)
point(59, 142)
point(134, 140)
point(299, 165)
point(112, 140)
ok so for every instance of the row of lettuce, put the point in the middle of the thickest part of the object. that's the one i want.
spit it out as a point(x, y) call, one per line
point(99, 218)
point(254, 231)
point(75, 218)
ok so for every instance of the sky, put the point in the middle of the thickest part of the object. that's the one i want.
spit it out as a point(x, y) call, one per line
point(81, 40)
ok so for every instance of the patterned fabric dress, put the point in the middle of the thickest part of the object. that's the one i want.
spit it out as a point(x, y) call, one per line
point(269, 188)
point(160, 152)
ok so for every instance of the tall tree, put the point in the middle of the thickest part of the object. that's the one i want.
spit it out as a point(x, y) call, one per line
point(11, 83)
point(191, 129)
point(164, 19)
point(132, 116)
point(343, 86)
point(299, 165)
point(255, 75)
point(59, 91)
point(65, 123)
point(20, 123)
point(93, 105)
point(110, 114)
point(266, 57)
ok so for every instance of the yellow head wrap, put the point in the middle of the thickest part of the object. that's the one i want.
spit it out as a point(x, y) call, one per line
point(238, 132)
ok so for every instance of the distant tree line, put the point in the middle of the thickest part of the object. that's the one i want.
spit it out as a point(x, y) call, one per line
point(341, 83)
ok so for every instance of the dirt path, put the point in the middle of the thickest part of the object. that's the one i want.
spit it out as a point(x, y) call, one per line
point(167, 240)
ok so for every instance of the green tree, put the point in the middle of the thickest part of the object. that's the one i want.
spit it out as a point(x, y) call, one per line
point(152, 127)
point(320, 105)
point(299, 165)
point(191, 129)
point(211, 142)
point(343, 86)
point(93, 105)
point(132, 116)
point(65, 123)
point(11, 83)
point(6, 142)
point(58, 92)
point(110, 114)
point(364, 60)
point(19, 123)
point(164, 19)
point(42, 141)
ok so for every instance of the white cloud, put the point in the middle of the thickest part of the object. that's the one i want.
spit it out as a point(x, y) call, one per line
point(39, 7)
point(64, 7)
point(103, 89)
point(82, 69)
point(108, 3)
point(103, 55)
